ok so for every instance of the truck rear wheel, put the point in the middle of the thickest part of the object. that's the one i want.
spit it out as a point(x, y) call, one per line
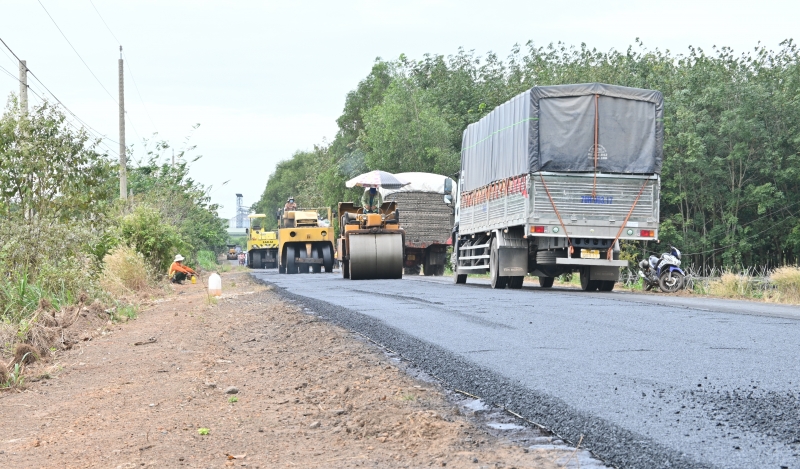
point(515, 282)
point(546, 282)
point(495, 278)
point(586, 284)
point(607, 285)
point(427, 268)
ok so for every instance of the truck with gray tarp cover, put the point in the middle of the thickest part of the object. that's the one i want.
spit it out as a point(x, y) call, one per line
point(553, 179)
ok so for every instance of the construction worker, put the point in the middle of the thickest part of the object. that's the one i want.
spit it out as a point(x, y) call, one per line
point(290, 205)
point(372, 200)
point(179, 272)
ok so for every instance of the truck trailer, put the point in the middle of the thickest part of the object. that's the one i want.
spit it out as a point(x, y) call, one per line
point(552, 180)
point(427, 209)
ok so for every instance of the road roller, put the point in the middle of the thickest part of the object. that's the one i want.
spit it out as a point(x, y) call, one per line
point(262, 245)
point(370, 245)
point(305, 241)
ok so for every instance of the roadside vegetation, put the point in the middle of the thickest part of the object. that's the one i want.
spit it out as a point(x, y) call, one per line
point(67, 243)
point(729, 192)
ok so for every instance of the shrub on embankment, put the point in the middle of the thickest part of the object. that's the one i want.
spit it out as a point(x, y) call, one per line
point(67, 244)
point(781, 285)
point(787, 284)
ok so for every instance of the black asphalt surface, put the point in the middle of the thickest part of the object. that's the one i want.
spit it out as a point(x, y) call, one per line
point(648, 380)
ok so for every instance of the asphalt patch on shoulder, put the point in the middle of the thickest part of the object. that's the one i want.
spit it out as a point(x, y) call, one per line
point(612, 443)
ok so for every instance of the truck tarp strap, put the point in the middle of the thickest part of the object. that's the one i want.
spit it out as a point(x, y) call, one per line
point(596, 129)
point(553, 203)
point(610, 253)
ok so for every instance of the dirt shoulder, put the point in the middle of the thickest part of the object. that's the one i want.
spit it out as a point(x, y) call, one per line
point(308, 394)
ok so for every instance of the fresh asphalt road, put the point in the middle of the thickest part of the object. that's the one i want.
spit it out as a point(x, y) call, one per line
point(648, 380)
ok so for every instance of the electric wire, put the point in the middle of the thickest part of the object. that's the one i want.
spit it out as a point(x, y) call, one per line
point(76, 52)
point(9, 73)
point(742, 226)
point(104, 22)
point(146, 111)
point(94, 132)
point(130, 72)
point(89, 127)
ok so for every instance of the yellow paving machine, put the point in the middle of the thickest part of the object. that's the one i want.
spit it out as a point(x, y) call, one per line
point(370, 245)
point(305, 241)
point(262, 245)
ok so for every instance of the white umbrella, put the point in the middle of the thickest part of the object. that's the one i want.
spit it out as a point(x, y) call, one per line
point(377, 178)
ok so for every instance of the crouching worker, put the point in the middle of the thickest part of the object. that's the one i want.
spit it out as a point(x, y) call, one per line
point(179, 272)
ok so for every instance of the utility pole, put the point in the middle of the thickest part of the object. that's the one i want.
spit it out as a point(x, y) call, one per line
point(23, 87)
point(123, 157)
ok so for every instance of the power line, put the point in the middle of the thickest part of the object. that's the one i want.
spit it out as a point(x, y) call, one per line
point(76, 51)
point(104, 22)
point(95, 132)
point(9, 73)
point(130, 71)
point(100, 138)
point(146, 111)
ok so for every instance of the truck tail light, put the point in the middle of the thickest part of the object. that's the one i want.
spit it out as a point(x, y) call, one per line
point(537, 229)
point(647, 233)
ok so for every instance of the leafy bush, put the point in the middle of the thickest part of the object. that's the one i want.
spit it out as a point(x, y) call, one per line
point(146, 231)
point(207, 260)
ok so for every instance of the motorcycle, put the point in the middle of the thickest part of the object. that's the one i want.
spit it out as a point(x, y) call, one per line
point(663, 272)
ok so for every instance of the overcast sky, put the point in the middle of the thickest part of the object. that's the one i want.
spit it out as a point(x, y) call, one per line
point(267, 78)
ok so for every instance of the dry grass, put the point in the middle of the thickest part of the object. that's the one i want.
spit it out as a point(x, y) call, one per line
point(25, 354)
point(781, 285)
point(124, 272)
point(8, 333)
point(731, 285)
point(787, 283)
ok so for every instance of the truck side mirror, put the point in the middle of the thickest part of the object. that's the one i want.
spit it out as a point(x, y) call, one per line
point(246, 230)
point(448, 199)
point(448, 187)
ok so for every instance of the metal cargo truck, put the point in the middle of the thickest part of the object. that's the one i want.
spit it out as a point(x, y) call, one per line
point(426, 205)
point(553, 179)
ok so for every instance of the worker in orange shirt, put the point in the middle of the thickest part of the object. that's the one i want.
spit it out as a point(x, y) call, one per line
point(179, 272)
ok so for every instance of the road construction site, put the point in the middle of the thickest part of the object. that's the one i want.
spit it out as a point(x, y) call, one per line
point(640, 380)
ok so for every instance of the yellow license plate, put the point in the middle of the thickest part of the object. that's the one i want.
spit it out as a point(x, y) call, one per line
point(590, 254)
point(411, 257)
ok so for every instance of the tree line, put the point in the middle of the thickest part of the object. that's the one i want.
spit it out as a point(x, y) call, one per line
point(731, 173)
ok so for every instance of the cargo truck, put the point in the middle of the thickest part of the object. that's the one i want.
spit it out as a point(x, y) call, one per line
point(427, 209)
point(552, 180)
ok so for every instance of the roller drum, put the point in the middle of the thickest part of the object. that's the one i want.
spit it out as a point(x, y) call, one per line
point(374, 256)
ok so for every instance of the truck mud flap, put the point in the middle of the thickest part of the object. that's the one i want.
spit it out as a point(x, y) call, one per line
point(513, 262)
point(603, 273)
